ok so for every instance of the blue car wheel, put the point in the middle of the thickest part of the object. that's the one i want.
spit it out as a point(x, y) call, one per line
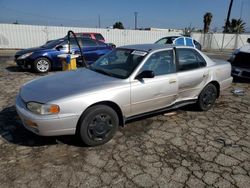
point(42, 65)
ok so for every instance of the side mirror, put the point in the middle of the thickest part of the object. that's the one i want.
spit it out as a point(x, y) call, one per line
point(59, 47)
point(145, 74)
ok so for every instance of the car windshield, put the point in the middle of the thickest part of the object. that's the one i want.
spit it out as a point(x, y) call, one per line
point(52, 43)
point(119, 63)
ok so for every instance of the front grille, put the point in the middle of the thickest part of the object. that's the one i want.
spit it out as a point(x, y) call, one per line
point(235, 72)
point(244, 73)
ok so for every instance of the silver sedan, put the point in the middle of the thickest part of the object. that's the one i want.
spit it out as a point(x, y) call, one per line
point(129, 82)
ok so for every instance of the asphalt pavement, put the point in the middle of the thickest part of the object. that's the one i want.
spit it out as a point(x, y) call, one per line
point(185, 148)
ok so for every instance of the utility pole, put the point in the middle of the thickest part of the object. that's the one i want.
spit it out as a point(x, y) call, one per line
point(228, 16)
point(241, 8)
point(136, 13)
point(99, 21)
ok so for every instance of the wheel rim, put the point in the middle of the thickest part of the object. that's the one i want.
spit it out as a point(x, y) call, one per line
point(42, 65)
point(100, 127)
point(209, 97)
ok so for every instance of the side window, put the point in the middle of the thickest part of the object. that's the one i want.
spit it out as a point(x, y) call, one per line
point(189, 59)
point(88, 42)
point(179, 41)
point(189, 42)
point(85, 35)
point(99, 37)
point(101, 43)
point(73, 43)
point(160, 63)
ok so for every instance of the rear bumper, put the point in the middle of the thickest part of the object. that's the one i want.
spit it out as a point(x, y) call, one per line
point(226, 83)
point(46, 125)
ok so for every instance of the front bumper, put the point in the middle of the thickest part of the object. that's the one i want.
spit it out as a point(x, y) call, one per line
point(46, 125)
point(24, 63)
point(240, 72)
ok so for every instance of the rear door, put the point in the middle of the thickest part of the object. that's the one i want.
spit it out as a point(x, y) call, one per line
point(155, 93)
point(192, 73)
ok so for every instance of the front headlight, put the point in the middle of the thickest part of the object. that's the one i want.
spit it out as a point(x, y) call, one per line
point(43, 109)
point(25, 55)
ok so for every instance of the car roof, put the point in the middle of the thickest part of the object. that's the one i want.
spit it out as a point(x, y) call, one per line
point(87, 33)
point(151, 47)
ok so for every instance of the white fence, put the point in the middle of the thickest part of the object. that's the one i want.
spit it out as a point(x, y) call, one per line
point(26, 36)
point(220, 41)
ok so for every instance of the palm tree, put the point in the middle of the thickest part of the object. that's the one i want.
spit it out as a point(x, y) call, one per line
point(236, 26)
point(118, 25)
point(207, 18)
point(227, 23)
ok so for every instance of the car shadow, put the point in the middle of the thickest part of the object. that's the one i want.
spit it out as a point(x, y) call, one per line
point(16, 69)
point(241, 80)
point(190, 108)
point(12, 131)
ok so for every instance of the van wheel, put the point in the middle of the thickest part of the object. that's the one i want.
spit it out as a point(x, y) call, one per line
point(207, 97)
point(98, 125)
point(42, 65)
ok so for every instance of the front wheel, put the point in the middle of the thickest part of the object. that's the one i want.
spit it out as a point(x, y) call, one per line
point(98, 125)
point(42, 65)
point(207, 97)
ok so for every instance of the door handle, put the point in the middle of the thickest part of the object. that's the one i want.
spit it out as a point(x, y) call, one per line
point(171, 81)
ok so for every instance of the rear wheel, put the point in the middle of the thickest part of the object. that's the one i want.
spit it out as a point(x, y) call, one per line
point(42, 65)
point(98, 125)
point(207, 97)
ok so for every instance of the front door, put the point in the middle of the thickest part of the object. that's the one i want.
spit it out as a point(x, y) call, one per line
point(150, 94)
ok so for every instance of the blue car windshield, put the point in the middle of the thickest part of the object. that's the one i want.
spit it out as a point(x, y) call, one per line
point(119, 63)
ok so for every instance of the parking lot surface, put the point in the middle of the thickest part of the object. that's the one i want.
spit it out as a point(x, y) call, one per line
point(184, 148)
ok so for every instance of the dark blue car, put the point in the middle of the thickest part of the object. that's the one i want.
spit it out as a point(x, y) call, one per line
point(44, 58)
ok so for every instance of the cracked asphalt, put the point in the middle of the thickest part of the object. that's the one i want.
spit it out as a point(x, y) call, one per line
point(184, 148)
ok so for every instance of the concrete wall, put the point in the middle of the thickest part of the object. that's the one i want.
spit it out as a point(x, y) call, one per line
point(26, 36)
point(220, 41)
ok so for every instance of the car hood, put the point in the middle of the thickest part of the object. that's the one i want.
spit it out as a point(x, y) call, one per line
point(65, 84)
point(245, 49)
point(21, 52)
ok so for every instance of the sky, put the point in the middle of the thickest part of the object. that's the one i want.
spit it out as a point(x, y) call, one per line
point(176, 14)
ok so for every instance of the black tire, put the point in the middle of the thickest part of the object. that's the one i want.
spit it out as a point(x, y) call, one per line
point(42, 65)
point(98, 125)
point(207, 97)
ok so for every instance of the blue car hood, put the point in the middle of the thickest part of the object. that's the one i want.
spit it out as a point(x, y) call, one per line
point(63, 84)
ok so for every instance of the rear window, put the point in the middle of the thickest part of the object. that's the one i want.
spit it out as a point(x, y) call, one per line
point(99, 37)
point(88, 42)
